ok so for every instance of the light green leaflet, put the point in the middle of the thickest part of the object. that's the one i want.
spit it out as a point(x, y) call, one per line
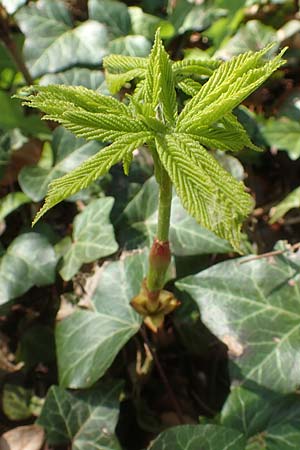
point(176, 141)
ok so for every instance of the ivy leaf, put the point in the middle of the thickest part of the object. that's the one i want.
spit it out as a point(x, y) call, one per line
point(212, 196)
point(12, 116)
point(112, 13)
point(88, 341)
point(11, 202)
point(16, 402)
point(93, 237)
point(268, 419)
point(178, 11)
point(52, 45)
point(196, 437)
point(254, 35)
point(68, 153)
point(11, 6)
point(130, 45)
point(289, 202)
point(200, 17)
point(283, 134)
point(78, 76)
point(87, 419)
point(29, 260)
point(138, 224)
point(116, 16)
point(147, 24)
point(231, 164)
point(290, 107)
point(257, 307)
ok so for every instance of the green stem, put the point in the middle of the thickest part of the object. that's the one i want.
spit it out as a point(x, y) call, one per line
point(164, 206)
point(159, 258)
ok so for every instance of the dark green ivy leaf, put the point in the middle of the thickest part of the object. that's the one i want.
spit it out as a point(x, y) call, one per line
point(269, 420)
point(87, 419)
point(253, 307)
point(199, 437)
point(88, 341)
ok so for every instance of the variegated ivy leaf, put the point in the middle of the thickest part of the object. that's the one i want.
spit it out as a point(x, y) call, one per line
point(178, 143)
point(85, 419)
point(52, 44)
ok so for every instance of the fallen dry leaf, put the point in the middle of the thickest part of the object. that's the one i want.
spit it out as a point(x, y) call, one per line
point(30, 437)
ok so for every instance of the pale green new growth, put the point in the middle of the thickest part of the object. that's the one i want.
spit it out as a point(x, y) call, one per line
point(176, 140)
point(91, 169)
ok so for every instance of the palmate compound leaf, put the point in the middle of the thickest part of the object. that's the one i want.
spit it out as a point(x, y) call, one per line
point(90, 170)
point(159, 86)
point(227, 134)
point(120, 69)
point(75, 106)
point(212, 196)
point(66, 153)
point(138, 222)
point(209, 194)
point(90, 115)
point(229, 85)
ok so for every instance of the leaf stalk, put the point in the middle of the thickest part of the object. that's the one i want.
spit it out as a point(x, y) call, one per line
point(153, 302)
point(160, 255)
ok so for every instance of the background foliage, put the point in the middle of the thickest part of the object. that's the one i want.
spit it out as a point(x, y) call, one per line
point(72, 361)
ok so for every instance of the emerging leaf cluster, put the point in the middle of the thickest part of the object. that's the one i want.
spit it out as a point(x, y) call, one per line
point(178, 141)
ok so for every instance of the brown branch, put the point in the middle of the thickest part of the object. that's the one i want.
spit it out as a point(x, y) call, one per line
point(290, 248)
point(163, 377)
point(9, 43)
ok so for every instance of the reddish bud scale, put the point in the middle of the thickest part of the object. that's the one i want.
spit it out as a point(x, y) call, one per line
point(159, 260)
point(160, 255)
